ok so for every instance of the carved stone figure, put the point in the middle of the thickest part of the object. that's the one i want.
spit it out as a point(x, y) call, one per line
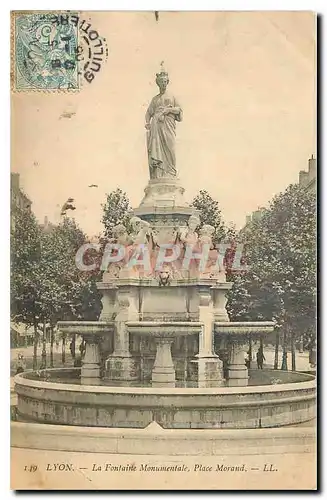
point(140, 237)
point(160, 123)
point(164, 235)
point(206, 233)
point(188, 235)
point(187, 238)
point(165, 275)
point(215, 266)
point(142, 231)
point(121, 237)
point(135, 224)
point(206, 246)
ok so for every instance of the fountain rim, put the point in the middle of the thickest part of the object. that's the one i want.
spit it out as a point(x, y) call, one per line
point(243, 329)
point(187, 324)
point(85, 327)
point(115, 283)
point(245, 323)
point(19, 379)
point(165, 329)
point(84, 323)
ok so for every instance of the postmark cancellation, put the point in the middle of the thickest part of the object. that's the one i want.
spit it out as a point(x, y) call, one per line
point(43, 53)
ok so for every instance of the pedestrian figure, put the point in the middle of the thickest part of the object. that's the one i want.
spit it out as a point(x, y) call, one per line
point(82, 348)
point(21, 364)
point(260, 358)
point(312, 354)
point(71, 348)
point(248, 360)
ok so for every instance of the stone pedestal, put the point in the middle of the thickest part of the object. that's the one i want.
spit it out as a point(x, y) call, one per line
point(206, 318)
point(120, 365)
point(210, 372)
point(90, 371)
point(163, 372)
point(121, 368)
point(237, 371)
point(219, 300)
point(210, 368)
point(163, 192)
point(109, 300)
point(163, 205)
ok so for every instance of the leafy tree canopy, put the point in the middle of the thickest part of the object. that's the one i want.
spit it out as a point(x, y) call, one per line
point(210, 213)
point(46, 283)
point(116, 210)
point(280, 250)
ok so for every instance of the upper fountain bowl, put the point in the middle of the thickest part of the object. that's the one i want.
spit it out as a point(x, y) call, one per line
point(244, 328)
point(164, 329)
point(85, 327)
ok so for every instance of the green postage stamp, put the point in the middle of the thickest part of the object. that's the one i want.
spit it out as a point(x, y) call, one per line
point(44, 53)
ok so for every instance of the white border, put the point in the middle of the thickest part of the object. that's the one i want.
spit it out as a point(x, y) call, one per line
point(314, 5)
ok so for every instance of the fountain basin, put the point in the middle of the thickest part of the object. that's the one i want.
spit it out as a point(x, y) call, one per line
point(239, 329)
point(248, 407)
point(236, 334)
point(164, 329)
point(165, 332)
point(93, 333)
point(85, 327)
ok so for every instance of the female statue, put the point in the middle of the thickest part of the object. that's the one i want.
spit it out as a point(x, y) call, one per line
point(160, 122)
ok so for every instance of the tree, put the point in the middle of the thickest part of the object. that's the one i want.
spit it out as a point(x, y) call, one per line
point(25, 258)
point(67, 292)
point(116, 210)
point(234, 260)
point(210, 214)
point(281, 253)
point(46, 284)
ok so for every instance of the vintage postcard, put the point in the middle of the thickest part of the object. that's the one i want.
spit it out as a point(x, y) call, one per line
point(163, 250)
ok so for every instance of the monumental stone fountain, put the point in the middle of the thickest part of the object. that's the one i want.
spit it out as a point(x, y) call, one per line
point(153, 355)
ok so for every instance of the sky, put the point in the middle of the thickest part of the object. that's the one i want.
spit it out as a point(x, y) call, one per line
point(245, 81)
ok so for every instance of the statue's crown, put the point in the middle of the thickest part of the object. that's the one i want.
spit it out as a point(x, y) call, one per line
point(163, 72)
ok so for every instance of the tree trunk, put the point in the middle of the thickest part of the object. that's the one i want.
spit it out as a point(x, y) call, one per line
point(250, 352)
point(51, 346)
point(284, 359)
point(293, 352)
point(276, 351)
point(261, 349)
point(44, 347)
point(63, 351)
point(313, 354)
point(74, 347)
point(36, 340)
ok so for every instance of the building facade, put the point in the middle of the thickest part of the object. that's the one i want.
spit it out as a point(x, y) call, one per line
point(308, 179)
point(47, 226)
point(18, 198)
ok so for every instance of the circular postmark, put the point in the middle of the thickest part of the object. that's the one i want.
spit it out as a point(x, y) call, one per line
point(92, 49)
point(56, 51)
